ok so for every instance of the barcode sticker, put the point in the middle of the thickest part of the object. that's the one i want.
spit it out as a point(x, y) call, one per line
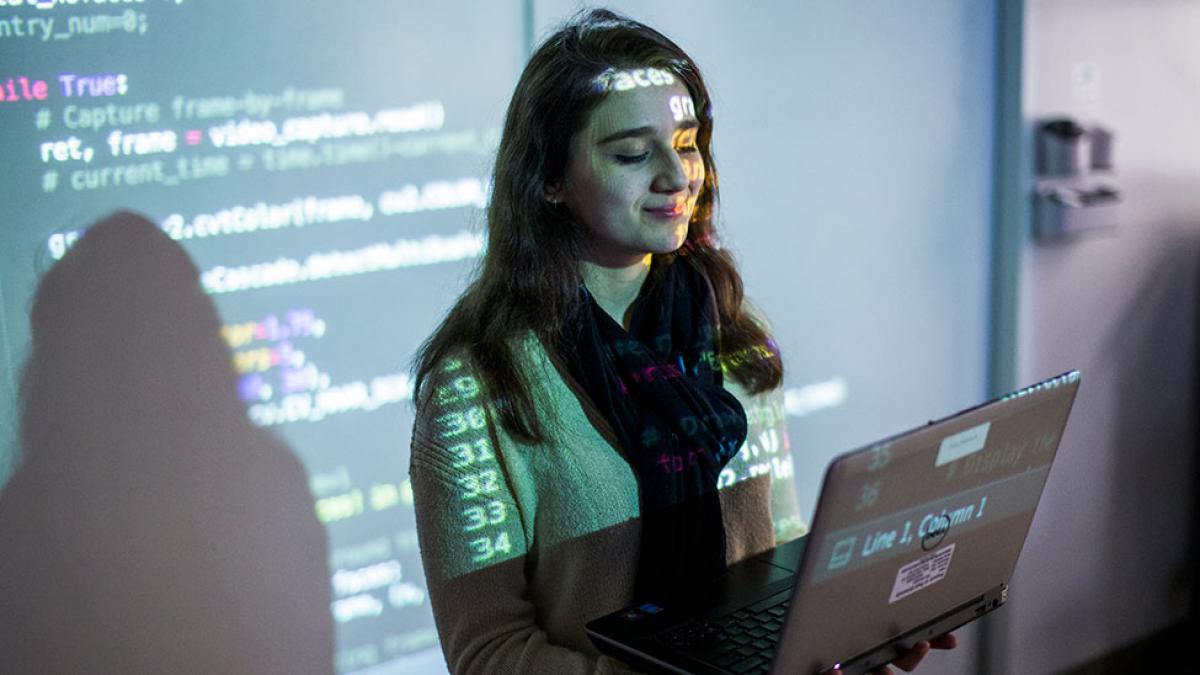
point(921, 573)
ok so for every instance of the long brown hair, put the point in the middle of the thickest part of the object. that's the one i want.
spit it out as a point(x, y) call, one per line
point(529, 279)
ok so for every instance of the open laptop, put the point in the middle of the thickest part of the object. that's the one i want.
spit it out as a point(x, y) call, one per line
point(913, 537)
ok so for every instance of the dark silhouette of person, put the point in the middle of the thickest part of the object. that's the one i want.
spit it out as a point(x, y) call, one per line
point(150, 527)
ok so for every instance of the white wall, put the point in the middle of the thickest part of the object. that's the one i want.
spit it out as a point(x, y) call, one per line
point(1106, 563)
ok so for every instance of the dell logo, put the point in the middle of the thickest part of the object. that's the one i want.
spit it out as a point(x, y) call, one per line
point(933, 532)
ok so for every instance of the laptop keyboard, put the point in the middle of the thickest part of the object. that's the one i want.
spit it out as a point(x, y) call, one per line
point(741, 642)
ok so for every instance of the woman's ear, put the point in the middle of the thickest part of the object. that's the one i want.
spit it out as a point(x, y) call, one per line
point(553, 192)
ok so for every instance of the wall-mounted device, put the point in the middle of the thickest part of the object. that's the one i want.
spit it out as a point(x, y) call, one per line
point(1076, 191)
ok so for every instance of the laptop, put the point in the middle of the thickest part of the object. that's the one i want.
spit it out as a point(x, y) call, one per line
point(913, 537)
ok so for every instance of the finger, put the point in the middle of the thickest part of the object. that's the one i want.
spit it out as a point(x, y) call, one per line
point(881, 670)
point(947, 641)
point(913, 658)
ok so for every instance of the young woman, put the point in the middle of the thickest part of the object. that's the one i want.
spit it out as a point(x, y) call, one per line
point(599, 415)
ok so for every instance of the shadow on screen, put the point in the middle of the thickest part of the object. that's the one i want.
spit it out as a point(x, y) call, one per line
point(150, 527)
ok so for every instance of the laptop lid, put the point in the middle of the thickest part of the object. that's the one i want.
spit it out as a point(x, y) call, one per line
point(920, 526)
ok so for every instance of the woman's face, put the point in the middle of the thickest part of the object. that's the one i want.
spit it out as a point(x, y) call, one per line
point(634, 173)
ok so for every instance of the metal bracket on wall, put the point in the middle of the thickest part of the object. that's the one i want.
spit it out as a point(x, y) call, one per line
point(1076, 190)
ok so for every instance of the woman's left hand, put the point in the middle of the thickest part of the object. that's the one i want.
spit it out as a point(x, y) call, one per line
point(912, 659)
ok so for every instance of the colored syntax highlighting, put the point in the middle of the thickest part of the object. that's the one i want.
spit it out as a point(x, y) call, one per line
point(281, 384)
point(104, 138)
point(327, 177)
point(100, 140)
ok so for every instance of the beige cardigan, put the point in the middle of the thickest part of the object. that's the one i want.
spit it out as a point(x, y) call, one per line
point(524, 544)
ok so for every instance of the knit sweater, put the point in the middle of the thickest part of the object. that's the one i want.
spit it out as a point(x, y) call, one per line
point(523, 544)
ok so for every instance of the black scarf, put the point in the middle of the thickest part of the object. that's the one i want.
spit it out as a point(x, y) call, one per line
point(659, 387)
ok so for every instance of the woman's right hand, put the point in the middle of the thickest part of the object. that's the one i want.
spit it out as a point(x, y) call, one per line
point(913, 658)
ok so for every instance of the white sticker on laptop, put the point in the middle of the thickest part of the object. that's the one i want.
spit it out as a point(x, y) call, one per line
point(921, 573)
point(962, 444)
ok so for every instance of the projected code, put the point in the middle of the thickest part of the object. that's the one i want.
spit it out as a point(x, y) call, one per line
point(116, 22)
point(81, 147)
point(304, 191)
point(464, 427)
point(767, 450)
point(367, 576)
point(310, 210)
point(1022, 465)
point(370, 576)
point(924, 527)
point(485, 509)
point(233, 134)
point(249, 129)
point(101, 140)
point(281, 384)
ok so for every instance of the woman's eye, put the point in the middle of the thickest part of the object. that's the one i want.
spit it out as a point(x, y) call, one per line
point(632, 159)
